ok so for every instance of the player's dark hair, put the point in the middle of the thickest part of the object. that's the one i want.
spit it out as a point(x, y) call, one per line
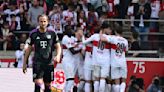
point(118, 29)
point(104, 25)
point(68, 30)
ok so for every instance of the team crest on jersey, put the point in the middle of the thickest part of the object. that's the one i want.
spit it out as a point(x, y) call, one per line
point(48, 36)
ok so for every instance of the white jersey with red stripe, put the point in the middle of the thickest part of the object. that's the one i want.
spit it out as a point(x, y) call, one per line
point(68, 60)
point(119, 46)
point(67, 43)
point(101, 50)
point(88, 57)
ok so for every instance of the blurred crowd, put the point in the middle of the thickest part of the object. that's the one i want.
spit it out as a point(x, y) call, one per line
point(19, 17)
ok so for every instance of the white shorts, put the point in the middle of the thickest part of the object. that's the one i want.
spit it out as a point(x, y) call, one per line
point(69, 68)
point(101, 71)
point(118, 72)
point(88, 74)
point(81, 70)
point(88, 64)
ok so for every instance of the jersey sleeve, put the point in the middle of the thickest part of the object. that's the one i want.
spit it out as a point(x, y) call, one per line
point(30, 40)
point(87, 40)
point(111, 39)
point(56, 39)
point(127, 47)
point(66, 42)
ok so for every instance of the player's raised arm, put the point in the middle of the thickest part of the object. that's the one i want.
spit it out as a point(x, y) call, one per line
point(88, 40)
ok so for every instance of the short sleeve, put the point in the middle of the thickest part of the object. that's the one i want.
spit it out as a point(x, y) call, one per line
point(66, 42)
point(111, 39)
point(56, 39)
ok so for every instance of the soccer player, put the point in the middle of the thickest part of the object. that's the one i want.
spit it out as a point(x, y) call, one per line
point(44, 41)
point(119, 46)
point(68, 61)
point(100, 58)
point(88, 68)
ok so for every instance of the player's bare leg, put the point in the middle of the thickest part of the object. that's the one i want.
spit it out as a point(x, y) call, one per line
point(39, 85)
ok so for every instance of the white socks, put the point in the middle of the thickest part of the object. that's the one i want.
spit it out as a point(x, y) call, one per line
point(81, 86)
point(102, 85)
point(116, 88)
point(87, 87)
point(122, 87)
point(108, 88)
point(96, 86)
point(69, 85)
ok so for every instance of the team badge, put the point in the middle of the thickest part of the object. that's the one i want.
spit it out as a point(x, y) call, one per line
point(48, 36)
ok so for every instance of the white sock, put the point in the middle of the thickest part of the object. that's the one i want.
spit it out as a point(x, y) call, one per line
point(81, 86)
point(108, 88)
point(96, 86)
point(69, 85)
point(87, 87)
point(102, 85)
point(122, 87)
point(116, 88)
point(42, 87)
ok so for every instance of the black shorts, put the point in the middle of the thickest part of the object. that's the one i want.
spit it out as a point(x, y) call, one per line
point(43, 71)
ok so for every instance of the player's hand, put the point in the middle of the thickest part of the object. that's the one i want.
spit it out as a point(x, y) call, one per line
point(57, 59)
point(24, 68)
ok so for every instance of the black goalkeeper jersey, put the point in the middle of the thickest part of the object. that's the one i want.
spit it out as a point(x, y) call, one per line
point(44, 44)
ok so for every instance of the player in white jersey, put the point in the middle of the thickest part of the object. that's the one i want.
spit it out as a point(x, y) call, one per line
point(100, 58)
point(119, 46)
point(79, 62)
point(68, 60)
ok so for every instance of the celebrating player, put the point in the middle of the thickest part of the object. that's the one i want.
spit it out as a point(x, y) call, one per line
point(119, 46)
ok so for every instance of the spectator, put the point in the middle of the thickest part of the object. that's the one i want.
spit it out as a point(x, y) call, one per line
point(161, 24)
point(62, 4)
point(154, 26)
point(33, 13)
point(77, 6)
point(23, 38)
point(69, 16)
point(130, 12)
point(142, 11)
point(132, 79)
point(13, 24)
point(19, 56)
point(81, 20)
point(7, 38)
point(154, 86)
point(134, 43)
point(137, 85)
point(97, 5)
point(55, 23)
point(13, 10)
point(92, 19)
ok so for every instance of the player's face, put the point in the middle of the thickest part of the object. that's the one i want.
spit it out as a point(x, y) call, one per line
point(43, 22)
